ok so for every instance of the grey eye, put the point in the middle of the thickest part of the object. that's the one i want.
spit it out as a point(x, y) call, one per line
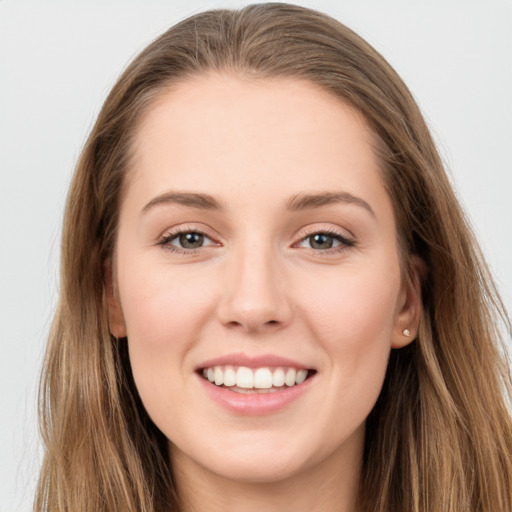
point(322, 241)
point(190, 240)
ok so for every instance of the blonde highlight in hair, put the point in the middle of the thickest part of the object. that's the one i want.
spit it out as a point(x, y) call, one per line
point(439, 437)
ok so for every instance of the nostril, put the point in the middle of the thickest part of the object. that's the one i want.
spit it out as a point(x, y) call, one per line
point(253, 325)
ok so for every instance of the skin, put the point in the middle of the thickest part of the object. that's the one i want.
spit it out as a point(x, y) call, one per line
point(258, 286)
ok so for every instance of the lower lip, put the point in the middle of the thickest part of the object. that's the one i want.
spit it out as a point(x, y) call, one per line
point(255, 404)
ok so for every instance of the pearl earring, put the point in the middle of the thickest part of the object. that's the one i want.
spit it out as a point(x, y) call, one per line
point(406, 332)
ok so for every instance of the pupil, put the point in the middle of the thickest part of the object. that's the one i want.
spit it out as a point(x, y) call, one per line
point(321, 241)
point(191, 240)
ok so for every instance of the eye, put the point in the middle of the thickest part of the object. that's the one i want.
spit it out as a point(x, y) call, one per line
point(183, 241)
point(189, 240)
point(323, 241)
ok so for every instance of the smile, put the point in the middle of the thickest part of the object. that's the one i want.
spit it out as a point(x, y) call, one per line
point(242, 379)
point(248, 385)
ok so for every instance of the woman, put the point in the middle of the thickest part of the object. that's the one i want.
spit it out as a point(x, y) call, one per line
point(270, 296)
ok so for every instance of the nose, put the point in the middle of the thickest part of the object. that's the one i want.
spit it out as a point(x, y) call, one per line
point(255, 297)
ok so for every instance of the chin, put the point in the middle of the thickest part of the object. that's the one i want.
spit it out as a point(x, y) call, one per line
point(246, 460)
point(265, 470)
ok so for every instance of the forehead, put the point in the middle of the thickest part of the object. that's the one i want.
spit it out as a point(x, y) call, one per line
point(220, 133)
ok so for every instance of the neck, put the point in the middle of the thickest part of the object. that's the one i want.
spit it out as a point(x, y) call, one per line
point(330, 485)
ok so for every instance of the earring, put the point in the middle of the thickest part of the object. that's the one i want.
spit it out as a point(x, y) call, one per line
point(406, 332)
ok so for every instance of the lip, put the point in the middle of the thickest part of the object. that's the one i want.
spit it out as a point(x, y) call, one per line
point(254, 404)
point(264, 360)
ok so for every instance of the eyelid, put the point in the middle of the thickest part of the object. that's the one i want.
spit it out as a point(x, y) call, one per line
point(171, 234)
point(346, 240)
point(176, 236)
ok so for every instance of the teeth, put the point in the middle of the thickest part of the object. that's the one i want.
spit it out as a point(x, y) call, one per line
point(301, 376)
point(289, 380)
point(246, 378)
point(229, 376)
point(278, 378)
point(263, 378)
point(218, 375)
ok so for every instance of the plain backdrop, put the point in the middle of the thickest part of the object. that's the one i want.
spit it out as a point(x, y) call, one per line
point(58, 59)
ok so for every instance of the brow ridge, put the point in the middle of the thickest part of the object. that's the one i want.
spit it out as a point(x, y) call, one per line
point(191, 199)
point(298, 202)
point(316, 200)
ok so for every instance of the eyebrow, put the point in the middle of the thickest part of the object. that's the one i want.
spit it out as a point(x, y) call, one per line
point(310, 201)
point(297, 202)
point(191, 199)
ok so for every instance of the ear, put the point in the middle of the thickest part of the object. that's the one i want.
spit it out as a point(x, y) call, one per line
point(410, 305)
point(115, 313)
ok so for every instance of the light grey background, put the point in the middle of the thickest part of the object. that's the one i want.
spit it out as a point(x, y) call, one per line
point(58, 60)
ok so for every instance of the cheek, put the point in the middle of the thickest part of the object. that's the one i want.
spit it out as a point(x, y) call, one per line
point(354, 322)
point(358, 307)
point(164, 313)
point(161, 305)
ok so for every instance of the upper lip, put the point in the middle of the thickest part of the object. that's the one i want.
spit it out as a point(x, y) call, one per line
point(264, 360)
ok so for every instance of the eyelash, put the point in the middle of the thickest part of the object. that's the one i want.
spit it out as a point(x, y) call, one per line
point(345, 242)
point(166, 240)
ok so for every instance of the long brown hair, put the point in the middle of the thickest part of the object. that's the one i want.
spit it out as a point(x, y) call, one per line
point(440, 435)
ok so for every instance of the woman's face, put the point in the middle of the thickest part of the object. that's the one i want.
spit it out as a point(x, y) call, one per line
point(257, 247)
